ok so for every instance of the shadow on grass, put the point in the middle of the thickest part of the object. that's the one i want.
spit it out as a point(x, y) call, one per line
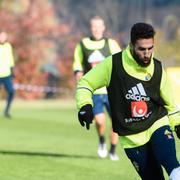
point(44, 154)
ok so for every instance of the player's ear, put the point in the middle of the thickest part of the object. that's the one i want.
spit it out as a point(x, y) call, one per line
point(131, 45)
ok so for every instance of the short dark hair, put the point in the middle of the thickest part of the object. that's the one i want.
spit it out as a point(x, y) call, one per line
point(141, 31)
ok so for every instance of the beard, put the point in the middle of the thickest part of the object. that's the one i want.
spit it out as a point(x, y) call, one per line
point(140, 61)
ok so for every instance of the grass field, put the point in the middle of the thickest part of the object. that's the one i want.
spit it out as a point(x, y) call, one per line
point(44, 141)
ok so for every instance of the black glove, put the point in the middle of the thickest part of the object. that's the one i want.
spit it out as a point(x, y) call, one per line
point(85, 115)
point(177, 130)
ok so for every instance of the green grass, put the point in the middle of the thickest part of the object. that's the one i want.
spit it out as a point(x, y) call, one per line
point(44, 141)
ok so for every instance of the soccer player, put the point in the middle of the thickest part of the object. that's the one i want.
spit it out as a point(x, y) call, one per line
point(6, 70)
point(144, 113)
point(88, 53)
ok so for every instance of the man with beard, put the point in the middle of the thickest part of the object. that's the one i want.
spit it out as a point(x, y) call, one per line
point(144, 113)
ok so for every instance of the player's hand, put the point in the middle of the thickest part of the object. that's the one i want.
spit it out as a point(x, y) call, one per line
point(85, 115)
point(177, 130)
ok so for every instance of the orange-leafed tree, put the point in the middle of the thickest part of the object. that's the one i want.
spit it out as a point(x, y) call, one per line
point(33, 30)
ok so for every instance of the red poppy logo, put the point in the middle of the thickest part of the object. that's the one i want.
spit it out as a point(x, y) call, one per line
point(138, 108)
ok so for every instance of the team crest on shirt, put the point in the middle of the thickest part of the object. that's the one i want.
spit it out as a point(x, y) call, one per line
point(148, 77)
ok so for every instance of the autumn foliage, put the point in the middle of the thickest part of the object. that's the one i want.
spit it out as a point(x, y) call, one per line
point(34, 32)
point(45, 32)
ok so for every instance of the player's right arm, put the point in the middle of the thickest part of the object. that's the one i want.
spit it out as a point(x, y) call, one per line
point(96, 78)
point(78, 61)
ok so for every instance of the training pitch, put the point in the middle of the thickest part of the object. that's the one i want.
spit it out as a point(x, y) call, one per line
point(44, 141)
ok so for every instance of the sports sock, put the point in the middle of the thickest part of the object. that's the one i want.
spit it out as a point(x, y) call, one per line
point(112, 149)
point(102, 139)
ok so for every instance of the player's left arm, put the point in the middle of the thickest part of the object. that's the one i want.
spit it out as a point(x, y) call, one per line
point(114, 46)
point(96, 78)
point(170, 105)
point(78, 62)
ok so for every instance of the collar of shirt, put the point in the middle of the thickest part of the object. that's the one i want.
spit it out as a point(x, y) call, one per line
point(134, 69)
